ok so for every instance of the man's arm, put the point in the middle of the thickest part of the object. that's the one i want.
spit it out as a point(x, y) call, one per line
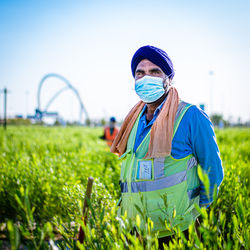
point(206, 151)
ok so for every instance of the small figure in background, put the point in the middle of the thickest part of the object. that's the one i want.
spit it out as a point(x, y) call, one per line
point(110, 132)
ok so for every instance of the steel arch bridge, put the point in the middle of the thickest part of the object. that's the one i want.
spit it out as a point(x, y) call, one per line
point(41, 113)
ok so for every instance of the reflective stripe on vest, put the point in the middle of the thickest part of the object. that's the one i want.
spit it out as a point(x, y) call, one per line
point(172, 180)
point(147, 186)
point(191, 163)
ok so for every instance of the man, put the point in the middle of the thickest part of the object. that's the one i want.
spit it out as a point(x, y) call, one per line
point(110, 131)
point(161, 143)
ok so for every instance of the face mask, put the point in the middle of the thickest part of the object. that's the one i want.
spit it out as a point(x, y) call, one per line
point(149, 88)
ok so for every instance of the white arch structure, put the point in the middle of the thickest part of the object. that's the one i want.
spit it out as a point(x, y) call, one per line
point(69, 86)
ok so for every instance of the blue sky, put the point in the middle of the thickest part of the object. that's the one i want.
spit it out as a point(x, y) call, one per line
point(91, 43)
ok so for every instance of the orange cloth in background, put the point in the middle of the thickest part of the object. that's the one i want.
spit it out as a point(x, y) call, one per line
point(161, 131)
point(120, 143)
point(110, 137)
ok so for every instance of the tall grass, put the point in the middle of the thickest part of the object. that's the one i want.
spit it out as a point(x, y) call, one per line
point(43, 175)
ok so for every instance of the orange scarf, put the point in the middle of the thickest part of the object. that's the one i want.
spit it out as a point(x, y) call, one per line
point(161, 132)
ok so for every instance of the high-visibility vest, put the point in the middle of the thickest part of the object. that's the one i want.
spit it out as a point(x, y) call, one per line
point(167, 189)
point(110, 137)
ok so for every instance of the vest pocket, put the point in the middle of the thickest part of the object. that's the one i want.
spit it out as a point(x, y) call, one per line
point(169, 204)
point(144, 170)
point(130, 204)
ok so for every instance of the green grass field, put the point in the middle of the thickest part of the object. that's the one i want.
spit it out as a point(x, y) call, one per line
point(43, 176)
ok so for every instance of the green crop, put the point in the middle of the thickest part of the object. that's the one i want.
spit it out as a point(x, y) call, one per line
point(43, 177)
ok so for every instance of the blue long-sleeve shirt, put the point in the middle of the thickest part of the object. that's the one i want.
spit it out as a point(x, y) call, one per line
point(195, 135)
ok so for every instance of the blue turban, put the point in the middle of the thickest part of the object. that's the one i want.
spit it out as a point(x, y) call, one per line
point(154, 55)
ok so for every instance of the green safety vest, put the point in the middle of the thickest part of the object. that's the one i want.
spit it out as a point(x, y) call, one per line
point(166, 189)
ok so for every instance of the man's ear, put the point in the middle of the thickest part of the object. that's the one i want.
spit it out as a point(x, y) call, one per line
point(170, 81)
point(167, 82)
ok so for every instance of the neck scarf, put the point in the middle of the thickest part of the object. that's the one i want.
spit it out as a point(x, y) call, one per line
point(161, 132)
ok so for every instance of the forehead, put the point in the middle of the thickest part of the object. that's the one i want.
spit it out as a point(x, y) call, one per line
point(146, 64)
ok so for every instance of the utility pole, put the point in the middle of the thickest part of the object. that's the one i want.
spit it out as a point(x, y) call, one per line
point(5, 108)
point(27, 103)
point(211, 74)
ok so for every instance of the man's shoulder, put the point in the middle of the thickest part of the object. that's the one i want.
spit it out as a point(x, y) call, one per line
point(194, 111)
point(188, 107)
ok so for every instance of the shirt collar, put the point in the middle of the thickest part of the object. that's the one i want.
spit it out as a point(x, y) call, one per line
point(157, 111)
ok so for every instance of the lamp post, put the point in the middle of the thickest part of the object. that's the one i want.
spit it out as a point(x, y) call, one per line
point(5, 108)
point(27, 103)
point(211, 73)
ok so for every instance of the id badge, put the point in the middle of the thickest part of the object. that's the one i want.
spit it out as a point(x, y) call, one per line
point(144, 170)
